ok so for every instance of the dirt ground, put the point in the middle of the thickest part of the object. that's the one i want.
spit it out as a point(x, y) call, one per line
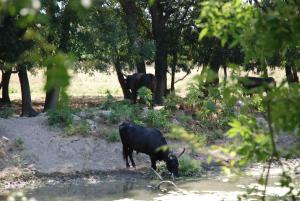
point(35, 145)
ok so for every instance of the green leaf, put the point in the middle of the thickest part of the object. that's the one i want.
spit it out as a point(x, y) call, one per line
point(203, 33)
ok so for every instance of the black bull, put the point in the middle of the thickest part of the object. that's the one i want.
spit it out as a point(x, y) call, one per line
point(251, 84)
point(149, 141)
point(138, 80)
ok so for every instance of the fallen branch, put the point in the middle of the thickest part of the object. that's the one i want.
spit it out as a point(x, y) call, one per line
point(158, 175)
point(157, 187)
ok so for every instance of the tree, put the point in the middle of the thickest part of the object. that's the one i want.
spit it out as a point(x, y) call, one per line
point(267, 29)
point(60, 20)
point(104, 41)
point(11, 49)
point(132, 17)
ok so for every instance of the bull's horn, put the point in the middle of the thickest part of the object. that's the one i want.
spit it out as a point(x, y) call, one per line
point(181, 153)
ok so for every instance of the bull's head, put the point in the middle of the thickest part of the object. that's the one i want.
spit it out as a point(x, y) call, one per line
point(172, 163)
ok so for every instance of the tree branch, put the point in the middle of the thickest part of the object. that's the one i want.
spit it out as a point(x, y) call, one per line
point(182, 78)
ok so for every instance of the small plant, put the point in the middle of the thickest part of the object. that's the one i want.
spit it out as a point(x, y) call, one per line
point(82, 128)
point(145, 95)
point(189, 167)
point(61, 117)
point(109, 101)
point(19, 143)
point(158, 119)
point(196, 140)
point(12, 90)
point(215, 135)
point(173, 102)
point(111, 136)
point(122, 110)
point(185, 118)
point(6, 112)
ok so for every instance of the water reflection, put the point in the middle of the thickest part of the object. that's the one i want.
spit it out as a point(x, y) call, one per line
point(136, 189)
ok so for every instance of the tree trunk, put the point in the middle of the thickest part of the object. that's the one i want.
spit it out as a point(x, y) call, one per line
point(51, 99)
point(215, 67)
point(265, 72)
point(27, 109)
point(125, 89)
point(5, 87)
point(225, 75)
point(140, 66)
point(289, 74)
point(173, 71)
point(296, 78)
point(160, 73)
point(161, 53)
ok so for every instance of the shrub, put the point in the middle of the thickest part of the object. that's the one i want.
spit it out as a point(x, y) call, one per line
point(145, 95)
point(82, 128)
point(108, 102)
point(6, 112)
point(197, 140)
point(111, 136)
point(172, 101)
point(189, 167)
point(61, 117)
point(157, 118)
point(19, 142)
point(121, 110)
point(185, 118)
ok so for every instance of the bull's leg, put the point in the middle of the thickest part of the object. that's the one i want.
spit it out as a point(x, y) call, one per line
point(125, 155)
point(153, 163)
point(134, 96)
point(130, 157)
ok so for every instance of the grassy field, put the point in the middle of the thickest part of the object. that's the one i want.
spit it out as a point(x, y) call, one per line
point(95, 85)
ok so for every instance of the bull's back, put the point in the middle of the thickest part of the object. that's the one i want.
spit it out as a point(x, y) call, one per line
point(144, 140)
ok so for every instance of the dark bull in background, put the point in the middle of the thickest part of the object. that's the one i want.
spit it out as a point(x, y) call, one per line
point(149, 141)
point(138, 80)
point(252, 84)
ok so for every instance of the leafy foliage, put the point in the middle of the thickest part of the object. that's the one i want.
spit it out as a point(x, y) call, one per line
point(80, 128)
point(145, 95)
point(61, 117)
point(189, 167)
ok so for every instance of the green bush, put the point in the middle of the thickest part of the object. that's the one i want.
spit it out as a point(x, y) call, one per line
point(189, 167)
point(172, 101)
point(196, 140)
point(60, 117)
point(111, 136)
point(6, 112)
point(19, 142)
point(122, 110)
point(108, 102)
point(145, 95)
point(185, 118)
point(157, 118)
point(82, 128)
